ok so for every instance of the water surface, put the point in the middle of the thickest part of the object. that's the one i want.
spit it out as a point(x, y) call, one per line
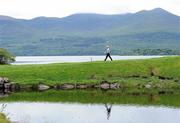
point(43, 112)
point(20, 60)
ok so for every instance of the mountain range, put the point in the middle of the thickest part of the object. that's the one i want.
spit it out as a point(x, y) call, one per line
point(88, 34)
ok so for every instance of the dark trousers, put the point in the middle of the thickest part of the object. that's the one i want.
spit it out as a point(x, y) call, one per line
point(108, 55)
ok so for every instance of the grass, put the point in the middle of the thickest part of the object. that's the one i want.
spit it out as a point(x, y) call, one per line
point(95, 96)
point(3, 119)
point(90, 72)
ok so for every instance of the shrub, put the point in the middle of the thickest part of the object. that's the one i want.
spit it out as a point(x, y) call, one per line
point(6, 57)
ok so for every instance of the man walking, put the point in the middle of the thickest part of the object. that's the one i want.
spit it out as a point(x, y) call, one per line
point(108, 51)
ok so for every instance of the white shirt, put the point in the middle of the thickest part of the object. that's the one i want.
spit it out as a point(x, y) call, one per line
point(108, 50)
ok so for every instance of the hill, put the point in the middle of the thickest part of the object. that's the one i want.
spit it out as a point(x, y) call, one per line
point(87, 34)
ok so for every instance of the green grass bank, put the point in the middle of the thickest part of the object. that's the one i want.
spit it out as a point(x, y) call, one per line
point(95, 97)
point(128, 71)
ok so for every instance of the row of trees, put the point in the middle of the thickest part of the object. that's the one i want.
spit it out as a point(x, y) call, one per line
point(6, 57)
point(156, 52)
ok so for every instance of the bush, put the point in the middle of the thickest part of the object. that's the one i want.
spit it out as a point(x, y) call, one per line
point(6, 57)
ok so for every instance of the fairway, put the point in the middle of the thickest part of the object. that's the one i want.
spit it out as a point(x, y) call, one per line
point(167, 67)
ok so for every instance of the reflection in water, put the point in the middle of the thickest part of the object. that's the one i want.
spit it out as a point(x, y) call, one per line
point(108, 109)
point(151, 98)
point(4, 92)
point(2, 107)
point(28, 112)
point(2, 110)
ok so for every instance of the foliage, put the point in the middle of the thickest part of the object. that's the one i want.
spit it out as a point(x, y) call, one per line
point(5, 56)
point(3, 119)
point(156, 52)
point(168, 43)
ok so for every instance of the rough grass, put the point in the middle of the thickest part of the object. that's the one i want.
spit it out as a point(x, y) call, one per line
point(3, 119)
point(96, 96)
point(92, 71)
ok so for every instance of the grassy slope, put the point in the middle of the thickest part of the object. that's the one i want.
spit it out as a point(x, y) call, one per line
point(91, 71)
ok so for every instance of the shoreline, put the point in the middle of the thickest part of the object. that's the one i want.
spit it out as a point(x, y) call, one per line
point(35, 60)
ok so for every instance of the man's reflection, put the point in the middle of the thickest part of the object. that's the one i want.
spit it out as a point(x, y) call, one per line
point(108, 109)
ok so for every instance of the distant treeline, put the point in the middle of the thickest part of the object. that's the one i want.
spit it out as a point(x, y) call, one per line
point(157, 43)
point(156, 52)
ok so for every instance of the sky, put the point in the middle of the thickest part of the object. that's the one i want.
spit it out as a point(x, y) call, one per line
point(28, 9)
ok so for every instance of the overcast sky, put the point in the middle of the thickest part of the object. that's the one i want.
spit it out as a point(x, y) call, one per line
point(60, 8)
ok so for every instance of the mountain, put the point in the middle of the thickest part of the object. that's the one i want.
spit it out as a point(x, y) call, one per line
point(6, 18)
point(87, 34)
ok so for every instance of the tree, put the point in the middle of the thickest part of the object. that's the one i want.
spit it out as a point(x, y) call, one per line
point(6, 57)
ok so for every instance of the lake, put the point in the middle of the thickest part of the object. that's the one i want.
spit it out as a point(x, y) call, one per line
point(21, 60)
point(45, 112)
point(90, 106)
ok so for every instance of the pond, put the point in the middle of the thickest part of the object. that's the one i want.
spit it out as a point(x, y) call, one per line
point(44, 112)
point(90, 106)
point(20, 60)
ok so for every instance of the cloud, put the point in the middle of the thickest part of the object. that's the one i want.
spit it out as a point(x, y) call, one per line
point(61, 8)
